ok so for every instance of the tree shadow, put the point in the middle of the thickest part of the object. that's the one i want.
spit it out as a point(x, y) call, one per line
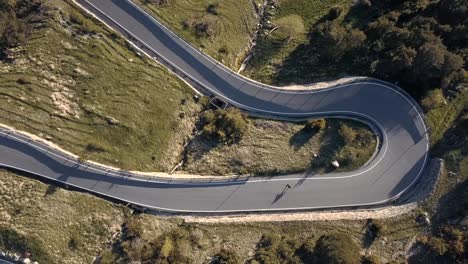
point(51, 189)
point(269, 48)
point(359, 16)
point(369, 236)
point(199, 146)
point(301, 137)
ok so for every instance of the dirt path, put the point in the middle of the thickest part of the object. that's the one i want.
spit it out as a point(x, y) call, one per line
point(380, 213)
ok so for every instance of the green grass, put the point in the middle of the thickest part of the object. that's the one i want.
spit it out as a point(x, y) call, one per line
point(95, 77)
point(271, 51)
point(233, 25)
point(310, 10)
point(273, 147)
point(442, 118)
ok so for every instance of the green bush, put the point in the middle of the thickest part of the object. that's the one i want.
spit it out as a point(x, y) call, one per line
point(224, 125)
point(13, 32)
point(438, 246)
point(226, 256)
point(433, 99)
point(371, 259)
point(133, 229)
point(315, 125)
point(75, 242)
point(337, 248)
point(348, 134)
point(289, 27)
point(275, 250)
point(93, 147)
point(213, 9)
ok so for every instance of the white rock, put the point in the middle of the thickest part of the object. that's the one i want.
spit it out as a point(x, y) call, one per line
point(335, 164)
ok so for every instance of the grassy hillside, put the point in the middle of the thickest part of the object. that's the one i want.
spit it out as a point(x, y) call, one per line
point(272, 49)
point(80, 85)
point(221, 29)
point(61, 226)
point(55, 225)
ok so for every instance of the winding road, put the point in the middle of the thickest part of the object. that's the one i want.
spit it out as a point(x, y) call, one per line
point(394, 169)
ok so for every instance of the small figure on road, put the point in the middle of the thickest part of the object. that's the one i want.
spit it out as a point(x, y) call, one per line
point(288, 186)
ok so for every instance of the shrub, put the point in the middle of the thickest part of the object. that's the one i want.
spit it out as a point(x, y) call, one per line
point(93, 147)
point(75, 242)
point(207, 27)
point(224, 50)
point(108, 257)
point(213, 9)
point(133, 229)
point(337, 248)
point(438, 246)
point(276, 249)
point(290, 27)
point(14, 32)
point(23, 81)
point(433, 99)
point(371, 259)
point(226, 257)
point(315, 125)
point(348, 134)
point(225, 125)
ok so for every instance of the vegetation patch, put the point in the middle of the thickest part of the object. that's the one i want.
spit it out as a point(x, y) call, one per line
point(274, 147)
point(416, 44)
point(53, 225)
point(222, 29)
point(75, 82)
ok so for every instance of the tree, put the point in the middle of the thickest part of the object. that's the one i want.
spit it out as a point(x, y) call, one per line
point(429, 62)
point(289, 27)
point(453, 11)
point(337, 248)
point(398, 63)
point(332, 40)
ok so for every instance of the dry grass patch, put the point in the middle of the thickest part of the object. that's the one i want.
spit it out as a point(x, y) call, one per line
point(273, 147)
point(68, 227)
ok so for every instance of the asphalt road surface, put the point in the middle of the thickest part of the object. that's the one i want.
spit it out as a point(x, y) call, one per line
point(395, 168)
